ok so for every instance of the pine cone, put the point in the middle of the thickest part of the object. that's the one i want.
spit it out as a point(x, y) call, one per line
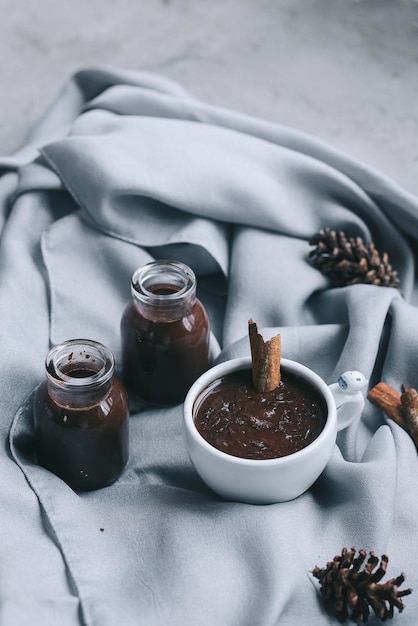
point(348, 591)
point(347, 260)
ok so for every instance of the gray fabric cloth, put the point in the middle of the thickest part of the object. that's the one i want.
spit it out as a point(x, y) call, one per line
point(126, 167)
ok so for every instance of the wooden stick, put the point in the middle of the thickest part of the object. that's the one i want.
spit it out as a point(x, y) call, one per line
point(265, 357)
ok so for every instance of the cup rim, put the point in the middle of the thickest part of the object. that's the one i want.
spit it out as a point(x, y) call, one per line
point(244, 363)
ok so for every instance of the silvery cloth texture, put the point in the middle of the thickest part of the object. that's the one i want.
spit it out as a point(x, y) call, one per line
point(127, 167)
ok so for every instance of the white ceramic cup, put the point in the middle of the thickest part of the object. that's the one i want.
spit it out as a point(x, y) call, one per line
point(284, 478)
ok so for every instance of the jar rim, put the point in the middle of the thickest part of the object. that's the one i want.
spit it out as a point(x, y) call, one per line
point(163, 272)
point(63, 356)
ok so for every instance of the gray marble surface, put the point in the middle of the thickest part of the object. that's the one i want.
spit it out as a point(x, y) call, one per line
point(345, 71)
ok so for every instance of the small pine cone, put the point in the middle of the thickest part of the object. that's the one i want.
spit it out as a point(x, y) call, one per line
point(348, 261)
point(349, 591)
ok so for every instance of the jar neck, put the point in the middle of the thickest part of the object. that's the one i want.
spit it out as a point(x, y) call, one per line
point(164, 291)
point(79, 372)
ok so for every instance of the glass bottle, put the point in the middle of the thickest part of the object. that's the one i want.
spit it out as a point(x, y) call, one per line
point(165, 333)
point(81, 416)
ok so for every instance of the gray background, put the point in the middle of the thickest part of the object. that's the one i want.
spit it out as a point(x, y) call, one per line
point(345, 71)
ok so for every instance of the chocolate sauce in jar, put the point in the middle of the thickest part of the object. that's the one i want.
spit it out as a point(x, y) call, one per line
point(237, 419)
point(81, 416)
point(165, 333)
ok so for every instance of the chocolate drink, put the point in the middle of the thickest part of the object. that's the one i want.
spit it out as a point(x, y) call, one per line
point(86, 446)
point(163, 354)
point(237, 419)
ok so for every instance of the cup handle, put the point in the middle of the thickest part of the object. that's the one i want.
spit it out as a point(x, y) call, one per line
point(348, 397)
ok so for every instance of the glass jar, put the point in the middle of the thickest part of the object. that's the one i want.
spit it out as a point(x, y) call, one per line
point(81, 416)
point(165, 333)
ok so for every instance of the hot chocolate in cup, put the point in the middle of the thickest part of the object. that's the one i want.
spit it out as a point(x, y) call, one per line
point(259, 469)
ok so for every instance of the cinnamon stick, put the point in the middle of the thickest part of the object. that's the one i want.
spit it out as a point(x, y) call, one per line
point(388, 399)
point(265, 357)
point(401, 408)
point(409, 401)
